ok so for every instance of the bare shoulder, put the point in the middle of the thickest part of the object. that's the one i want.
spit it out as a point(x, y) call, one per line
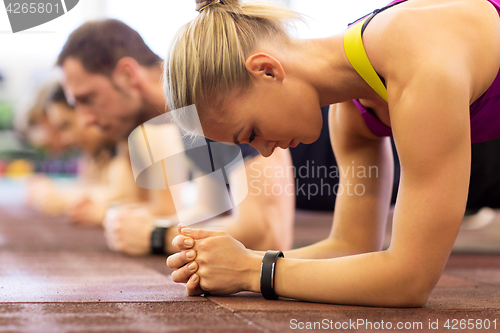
point(461, 35)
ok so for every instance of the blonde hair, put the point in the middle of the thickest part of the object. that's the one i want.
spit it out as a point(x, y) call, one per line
point(207, 56)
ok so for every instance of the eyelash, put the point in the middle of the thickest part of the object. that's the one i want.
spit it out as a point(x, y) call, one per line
point(252, 137)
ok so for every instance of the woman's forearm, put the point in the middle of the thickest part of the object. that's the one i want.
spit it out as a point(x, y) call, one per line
point(371, 279)
point(325, 249)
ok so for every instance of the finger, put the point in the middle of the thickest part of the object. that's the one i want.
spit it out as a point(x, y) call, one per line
point(110, 241)
point(175, 261)
point(193, 286)
point(108, 224)
point(183, 274)
point(119, 243)
point(181, 242)
point(111, 225)
point(180, 226)
point(200, 234)
point(112, 237)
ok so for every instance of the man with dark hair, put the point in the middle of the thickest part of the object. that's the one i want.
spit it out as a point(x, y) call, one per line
point(112, 76)
point(100, 52)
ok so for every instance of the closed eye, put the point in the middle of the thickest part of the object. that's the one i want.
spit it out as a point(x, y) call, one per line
point(252, 137)
point(85, 99)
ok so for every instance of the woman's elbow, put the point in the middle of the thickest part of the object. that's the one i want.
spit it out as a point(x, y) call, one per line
point(271, 241)
point(414, 298)
point(414, 289)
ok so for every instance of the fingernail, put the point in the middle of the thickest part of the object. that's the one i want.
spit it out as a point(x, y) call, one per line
point(190, 255)
point(194, 278)
point(188, 242)
point(192, 266)
point(187, 231)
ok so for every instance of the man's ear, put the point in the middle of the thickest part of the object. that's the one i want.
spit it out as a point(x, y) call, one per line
point(263, 66)
point(126, 72)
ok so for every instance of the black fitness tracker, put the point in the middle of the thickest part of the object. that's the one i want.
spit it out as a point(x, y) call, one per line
point(158, 240)
point(267, 271)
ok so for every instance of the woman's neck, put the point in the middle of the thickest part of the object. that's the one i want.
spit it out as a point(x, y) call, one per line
point(323, 64)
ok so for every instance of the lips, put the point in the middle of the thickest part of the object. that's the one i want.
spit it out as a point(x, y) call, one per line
point(293, 144)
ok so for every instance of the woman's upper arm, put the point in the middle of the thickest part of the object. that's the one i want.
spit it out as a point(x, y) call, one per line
point(365, 168)
point(431, 126)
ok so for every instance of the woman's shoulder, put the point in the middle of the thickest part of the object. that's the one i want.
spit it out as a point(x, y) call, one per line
point(420, 23)
point(420, 34)
point(433, 16)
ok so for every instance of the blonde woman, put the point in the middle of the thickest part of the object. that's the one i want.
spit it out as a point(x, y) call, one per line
point(423, 71)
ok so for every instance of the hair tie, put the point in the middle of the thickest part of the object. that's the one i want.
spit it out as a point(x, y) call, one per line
point(208, 5)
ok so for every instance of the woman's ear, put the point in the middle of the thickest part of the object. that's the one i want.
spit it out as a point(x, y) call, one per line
point(264, 66)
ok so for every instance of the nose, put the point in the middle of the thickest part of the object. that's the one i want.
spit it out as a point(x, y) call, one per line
point(264, 147)
point(87, 118)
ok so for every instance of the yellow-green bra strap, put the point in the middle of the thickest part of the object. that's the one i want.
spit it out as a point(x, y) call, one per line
point(356, 54)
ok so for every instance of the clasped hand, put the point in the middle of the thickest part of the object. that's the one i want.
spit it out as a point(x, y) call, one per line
point(212, 262)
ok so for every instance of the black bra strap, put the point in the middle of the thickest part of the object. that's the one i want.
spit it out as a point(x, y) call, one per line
point(375, 12)
point(372, 15)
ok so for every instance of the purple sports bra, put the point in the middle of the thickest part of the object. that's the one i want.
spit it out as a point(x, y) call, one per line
point(484, 112)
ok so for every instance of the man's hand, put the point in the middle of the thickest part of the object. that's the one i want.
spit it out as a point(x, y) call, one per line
point(43, 196)
point(87, 212)
point(129, 230)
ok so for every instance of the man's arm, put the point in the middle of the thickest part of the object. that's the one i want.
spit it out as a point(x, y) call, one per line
point(264, 219)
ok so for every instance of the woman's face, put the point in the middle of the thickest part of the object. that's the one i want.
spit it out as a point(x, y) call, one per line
point(268, 115)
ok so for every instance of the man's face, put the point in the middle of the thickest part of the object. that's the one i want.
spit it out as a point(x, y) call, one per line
point(115, 108)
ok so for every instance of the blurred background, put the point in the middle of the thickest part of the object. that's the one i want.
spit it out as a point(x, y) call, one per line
point(27, 61)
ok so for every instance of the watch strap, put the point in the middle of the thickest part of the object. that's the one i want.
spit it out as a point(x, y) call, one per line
point(158, 240)
point(267, 272)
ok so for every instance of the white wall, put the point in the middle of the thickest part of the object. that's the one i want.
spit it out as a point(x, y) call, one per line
point(328, 17)
point(28, 57)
